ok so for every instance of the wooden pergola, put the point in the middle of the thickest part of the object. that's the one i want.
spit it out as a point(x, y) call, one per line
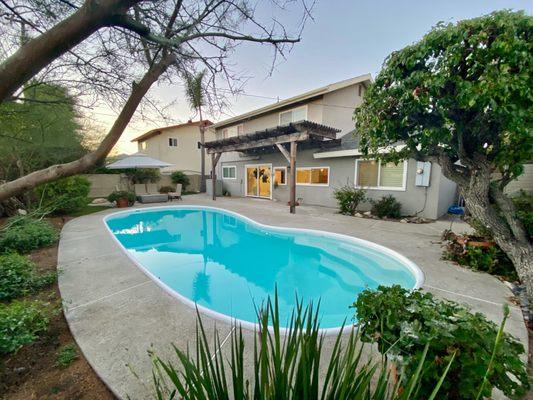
point(284, 138)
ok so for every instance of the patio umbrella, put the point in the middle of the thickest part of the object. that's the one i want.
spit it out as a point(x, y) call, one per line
point(138, 160)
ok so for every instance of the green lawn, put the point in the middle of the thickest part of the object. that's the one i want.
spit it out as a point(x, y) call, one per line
point(88, 210)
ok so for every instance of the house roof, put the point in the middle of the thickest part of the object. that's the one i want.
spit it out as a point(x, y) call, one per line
point(301, 97)
point(158, 131)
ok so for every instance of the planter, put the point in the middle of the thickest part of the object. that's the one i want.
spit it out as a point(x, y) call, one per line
point(123, 203)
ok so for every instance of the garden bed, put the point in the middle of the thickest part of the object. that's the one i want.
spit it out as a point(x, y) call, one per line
point(33, 371)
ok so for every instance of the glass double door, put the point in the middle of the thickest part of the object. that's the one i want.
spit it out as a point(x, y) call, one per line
point(259, 181)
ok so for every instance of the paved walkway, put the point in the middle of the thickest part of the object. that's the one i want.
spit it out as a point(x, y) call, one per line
point(117, 314)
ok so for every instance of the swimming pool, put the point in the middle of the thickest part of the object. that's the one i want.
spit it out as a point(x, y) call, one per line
point(228, 264)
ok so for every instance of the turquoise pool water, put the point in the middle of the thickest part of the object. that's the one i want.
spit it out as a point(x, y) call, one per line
point(229, 265)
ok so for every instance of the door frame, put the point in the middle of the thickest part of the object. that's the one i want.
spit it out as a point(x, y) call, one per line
point(246, 166)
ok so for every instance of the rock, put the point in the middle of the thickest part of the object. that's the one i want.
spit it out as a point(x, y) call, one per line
point(367, 213)
point(20, 211)
point(20, 370)
point(404, 221)
point(99, 200)
point(358, 215)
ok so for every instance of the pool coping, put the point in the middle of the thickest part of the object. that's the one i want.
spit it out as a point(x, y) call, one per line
point(410, 265)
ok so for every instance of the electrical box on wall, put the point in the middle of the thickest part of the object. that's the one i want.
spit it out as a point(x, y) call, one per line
point(423, 173)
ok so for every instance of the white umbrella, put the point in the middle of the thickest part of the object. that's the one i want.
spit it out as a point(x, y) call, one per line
point(138, 160)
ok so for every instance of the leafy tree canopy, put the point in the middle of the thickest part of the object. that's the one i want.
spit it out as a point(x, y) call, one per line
point(462, 93)
point(38, 132)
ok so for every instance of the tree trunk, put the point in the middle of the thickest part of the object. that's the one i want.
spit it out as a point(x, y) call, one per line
point(507, 231)
point(55, 172)
point(37, 53)
point(202, 153)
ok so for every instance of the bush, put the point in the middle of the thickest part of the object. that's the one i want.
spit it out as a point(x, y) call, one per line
point(121, 194)
point(285, 366)
point(487, 259)
point(524, 211)
point(19, 277)
point(144, 175)
point(388, 207)
point(24, 234)
point(404, 322)
point(65, 195)
point(166, 189)
point(180, 177)
point(349, 198)
point(20, 324)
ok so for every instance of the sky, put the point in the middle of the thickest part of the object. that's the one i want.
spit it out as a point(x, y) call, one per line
point(344, 39)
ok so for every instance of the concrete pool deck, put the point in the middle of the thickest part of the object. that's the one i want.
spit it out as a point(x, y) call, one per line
point(117, 314)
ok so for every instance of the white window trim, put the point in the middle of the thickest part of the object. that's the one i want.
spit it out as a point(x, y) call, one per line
point(313, 184)
point(292, 109)
point(403, 188)
point(229, 166)
point(172, 138)
point(284, 168)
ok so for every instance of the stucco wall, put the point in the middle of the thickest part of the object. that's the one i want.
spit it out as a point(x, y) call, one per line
point(440, 194)
point(186, 156)
point(103, 184)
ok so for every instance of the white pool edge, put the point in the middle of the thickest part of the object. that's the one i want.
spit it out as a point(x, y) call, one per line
point(415, 269)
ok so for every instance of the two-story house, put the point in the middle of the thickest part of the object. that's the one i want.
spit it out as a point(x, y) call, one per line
point(326, 156)
point(177, 145)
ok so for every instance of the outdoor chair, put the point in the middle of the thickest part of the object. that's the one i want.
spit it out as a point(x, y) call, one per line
point(177, 193)
point(147, 193)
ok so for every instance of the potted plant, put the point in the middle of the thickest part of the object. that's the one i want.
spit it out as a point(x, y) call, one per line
point(122, 198)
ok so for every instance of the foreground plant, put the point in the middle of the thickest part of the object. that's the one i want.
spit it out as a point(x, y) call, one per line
point(411, 326)
point(24, 234)
point(286, 366)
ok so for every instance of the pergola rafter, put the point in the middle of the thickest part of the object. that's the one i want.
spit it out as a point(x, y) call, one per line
point(293, 133)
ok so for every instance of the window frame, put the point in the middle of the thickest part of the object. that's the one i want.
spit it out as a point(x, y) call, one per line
point(226, 131)
point(311, 168)
point(283, 168)
point(402, 188)
point(234, 167)
point(172, 139)
point(291, 110)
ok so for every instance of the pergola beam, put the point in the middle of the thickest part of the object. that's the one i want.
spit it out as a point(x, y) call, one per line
point(284, 152)
point(292, 182)
point(214, 161)
point(292, 137)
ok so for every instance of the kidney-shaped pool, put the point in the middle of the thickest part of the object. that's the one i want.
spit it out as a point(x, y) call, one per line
point(228, 264)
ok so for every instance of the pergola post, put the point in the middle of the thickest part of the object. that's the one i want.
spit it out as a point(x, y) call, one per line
point(292, 181)
point(214, 161)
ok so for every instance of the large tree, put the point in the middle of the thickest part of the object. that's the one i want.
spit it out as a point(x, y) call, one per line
point(462, 97)
point(115, 50)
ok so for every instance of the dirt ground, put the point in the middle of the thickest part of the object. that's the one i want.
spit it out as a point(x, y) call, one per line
point(32, 372)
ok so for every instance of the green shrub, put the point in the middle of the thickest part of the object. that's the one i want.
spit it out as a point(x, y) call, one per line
point(144, 175)
point(487, 259)
point(388, 207)
point(24, 234)
point(404, 323)
point(20, 324)
point(285, 367)
point(66, 355)
point(64, 195)
point(180, 177)
point(19, 277)
point(121, 194)
point(524, 211)
point(166, 189)
point(349, 198)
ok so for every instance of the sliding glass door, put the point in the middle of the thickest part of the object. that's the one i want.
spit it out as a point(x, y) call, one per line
point(259, 181)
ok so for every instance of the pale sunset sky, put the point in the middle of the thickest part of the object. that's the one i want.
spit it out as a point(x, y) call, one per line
point(347, 38)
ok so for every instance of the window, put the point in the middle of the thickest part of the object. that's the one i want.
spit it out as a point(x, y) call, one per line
point(229, 172)
point(377, 175)
point(142, 145)
point(294, 115)
point(172, 142)
point(312, 176)
point(280, 175)
point(233, 131)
